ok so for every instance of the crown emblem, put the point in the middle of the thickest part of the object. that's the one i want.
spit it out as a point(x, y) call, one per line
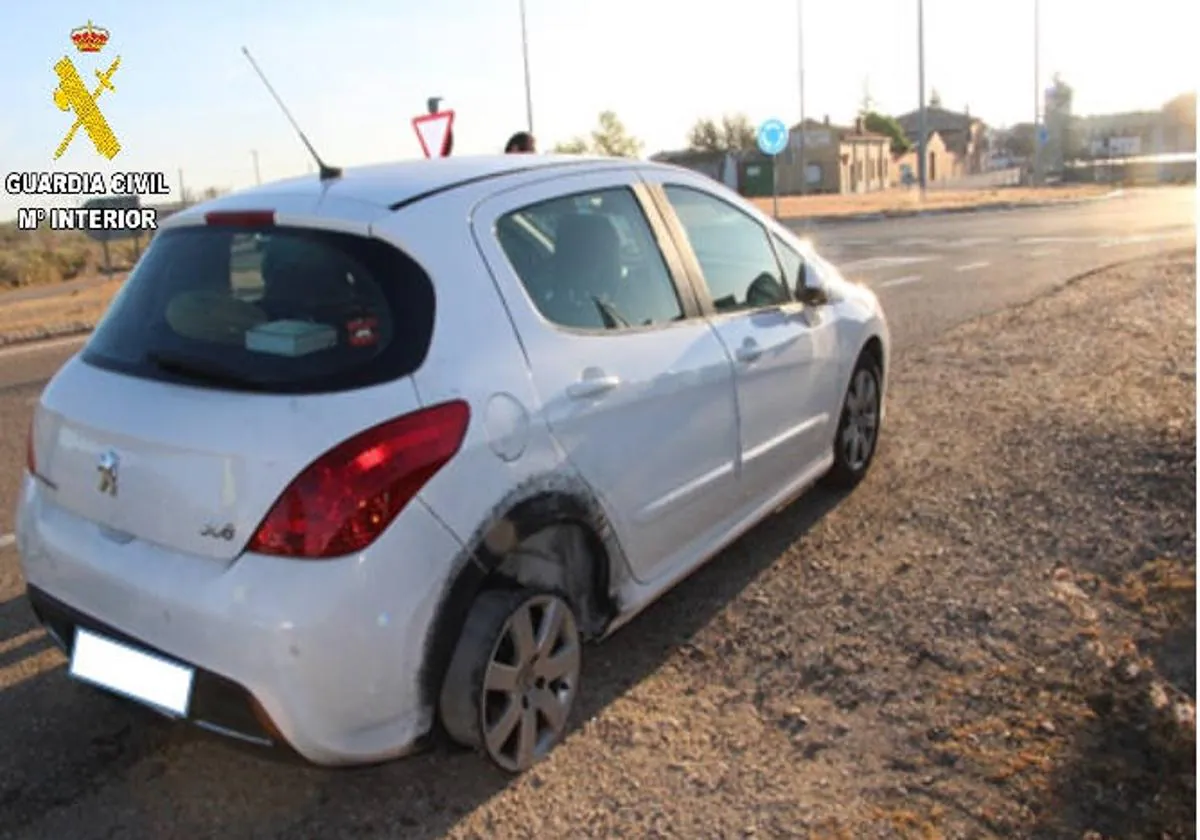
point(89, 39)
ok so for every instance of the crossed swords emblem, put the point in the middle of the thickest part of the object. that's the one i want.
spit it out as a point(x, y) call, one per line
point(72, 95)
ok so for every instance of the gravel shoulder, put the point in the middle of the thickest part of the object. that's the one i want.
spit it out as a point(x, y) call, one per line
point(993, 636)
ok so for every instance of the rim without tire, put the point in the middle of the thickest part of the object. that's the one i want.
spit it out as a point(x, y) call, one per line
point(530, 683)
point(514, 678)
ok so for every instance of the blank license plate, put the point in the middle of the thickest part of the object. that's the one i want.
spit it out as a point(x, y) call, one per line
point(136, 674)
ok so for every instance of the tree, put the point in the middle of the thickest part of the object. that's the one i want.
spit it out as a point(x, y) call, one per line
point(883, 124)
point(1017, 142)
point(610, 138)
point(576, 146)
point(734, 134)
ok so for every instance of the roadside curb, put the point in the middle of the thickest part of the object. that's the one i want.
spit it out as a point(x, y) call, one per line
point(945, 211)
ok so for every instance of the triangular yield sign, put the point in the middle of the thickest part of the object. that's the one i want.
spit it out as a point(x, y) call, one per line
point(432, 131)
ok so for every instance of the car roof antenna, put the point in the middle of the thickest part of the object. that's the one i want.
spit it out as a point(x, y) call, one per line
point(327, 172)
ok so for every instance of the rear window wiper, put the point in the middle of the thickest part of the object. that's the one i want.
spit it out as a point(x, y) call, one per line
point(202, 371)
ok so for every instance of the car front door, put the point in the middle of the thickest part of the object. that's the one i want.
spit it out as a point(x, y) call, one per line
point(634, 385)
point(784, 426)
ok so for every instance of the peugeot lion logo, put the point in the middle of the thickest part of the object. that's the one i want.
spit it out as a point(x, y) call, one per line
point(107, 467)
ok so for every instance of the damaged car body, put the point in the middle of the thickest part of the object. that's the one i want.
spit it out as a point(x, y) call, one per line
point(389, 447)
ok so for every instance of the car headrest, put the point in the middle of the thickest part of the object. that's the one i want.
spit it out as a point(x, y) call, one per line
point(588, 242)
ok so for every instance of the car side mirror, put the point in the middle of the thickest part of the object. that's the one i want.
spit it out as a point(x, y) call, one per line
point(810, 294)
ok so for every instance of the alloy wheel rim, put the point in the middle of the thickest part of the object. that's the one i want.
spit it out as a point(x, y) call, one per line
point(862, 420)
point(530, 684)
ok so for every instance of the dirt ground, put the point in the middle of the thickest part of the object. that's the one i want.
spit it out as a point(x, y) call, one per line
point(994, 636)
point(901, 201)
point(77, 309)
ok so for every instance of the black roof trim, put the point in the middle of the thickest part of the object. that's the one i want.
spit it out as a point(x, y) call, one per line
point(413, 199)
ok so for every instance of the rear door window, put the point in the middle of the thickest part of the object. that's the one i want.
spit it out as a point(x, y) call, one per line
point(285, 310)
point(596, 265)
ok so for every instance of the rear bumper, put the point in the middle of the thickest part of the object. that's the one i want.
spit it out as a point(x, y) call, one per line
point(218, 705)
point(324, 657)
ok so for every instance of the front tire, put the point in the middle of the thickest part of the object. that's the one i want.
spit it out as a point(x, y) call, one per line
point(512, 684)
point(857, 436)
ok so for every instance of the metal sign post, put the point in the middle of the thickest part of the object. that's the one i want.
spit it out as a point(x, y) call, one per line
point(773, 139)
point(774, 191)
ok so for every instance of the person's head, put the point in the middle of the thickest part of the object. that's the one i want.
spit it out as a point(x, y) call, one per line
point(520, 143)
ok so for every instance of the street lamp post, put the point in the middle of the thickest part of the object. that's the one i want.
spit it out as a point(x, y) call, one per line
point(525, 57)
point(921, 150)
point(800, 49)
point(1037, 96)
point(257, 175)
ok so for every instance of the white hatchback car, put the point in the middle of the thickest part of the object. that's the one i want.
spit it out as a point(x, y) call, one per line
point(349, 458)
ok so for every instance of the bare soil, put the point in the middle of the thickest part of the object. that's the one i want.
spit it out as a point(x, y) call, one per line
point(993, 636)
point(899, 201)
point(44, 317)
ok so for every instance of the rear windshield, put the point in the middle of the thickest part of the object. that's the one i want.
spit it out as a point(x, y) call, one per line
point(283, 310)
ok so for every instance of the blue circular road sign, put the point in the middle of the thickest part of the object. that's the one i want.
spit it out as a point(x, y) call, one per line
point(772, 137)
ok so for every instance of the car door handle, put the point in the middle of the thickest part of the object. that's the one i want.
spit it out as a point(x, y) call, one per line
point(749, 352)
point(592, 386)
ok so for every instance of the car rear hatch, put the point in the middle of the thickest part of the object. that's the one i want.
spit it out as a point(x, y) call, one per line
point(237, 353)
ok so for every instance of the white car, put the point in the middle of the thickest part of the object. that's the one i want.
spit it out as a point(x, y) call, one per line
point(351, 458)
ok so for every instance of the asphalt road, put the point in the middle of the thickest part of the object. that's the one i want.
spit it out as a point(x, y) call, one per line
point(75, 764)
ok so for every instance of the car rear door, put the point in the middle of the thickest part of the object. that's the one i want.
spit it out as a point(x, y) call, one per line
point(634, 386)
point(778, 346)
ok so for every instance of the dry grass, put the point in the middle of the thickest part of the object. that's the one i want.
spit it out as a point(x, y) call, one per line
point(900, 201)
point(45, 257)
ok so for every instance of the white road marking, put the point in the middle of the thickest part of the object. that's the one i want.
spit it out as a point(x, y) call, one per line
point(900, 281)
point(6, 540)
point(972, 266)
point(1055, 240)
point(1142, 238)
point(972, 242)
point(39, 346)
point(883, 262)
point(1043, 252)
point(908, 243)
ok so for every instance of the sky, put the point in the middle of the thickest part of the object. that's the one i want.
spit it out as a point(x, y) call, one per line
point(354, 73)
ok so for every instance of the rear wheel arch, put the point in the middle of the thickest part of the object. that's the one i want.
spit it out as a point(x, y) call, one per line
point(550, 534)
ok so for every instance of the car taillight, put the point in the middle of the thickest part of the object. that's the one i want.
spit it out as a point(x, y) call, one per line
point(346, 498)
point(30, 452)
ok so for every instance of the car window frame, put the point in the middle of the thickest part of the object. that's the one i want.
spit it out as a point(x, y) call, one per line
point(779, 244)
point(526, 195)
point(657, 183)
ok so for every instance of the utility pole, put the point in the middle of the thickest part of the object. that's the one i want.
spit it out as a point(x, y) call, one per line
point(800, 51)
point(257, 174)
point(525, 57)
point(1037, 97)
point(182, 192)
point(921, 162)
